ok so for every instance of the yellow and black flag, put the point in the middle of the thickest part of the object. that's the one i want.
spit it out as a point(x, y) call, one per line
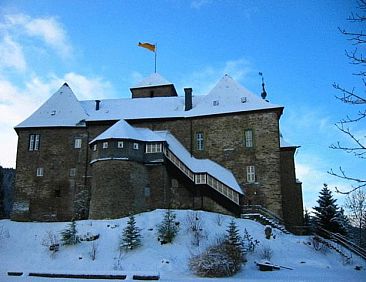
point(149, 46)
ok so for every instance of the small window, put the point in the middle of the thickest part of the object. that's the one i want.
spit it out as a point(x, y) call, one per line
point(72, 172)
point(77, 144)
point(251, 174)
point(57, 193)
point(34, 140)
point(248, 138)
point(120, 144)
point(53, 113)
point(147, 191)
point(199, 141)
point(135, 146)
point(40, 171)
point(200, 178)
point(105, 145)
point(95, 147)
point(215, 103)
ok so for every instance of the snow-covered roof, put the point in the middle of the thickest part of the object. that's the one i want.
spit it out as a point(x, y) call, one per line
point(122, 130)
point(200, 165)
point(61, 109)
point(154, 79)
point(284, 144)
point(226, 97)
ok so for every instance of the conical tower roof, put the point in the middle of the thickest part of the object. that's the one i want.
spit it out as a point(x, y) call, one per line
point(61, 109)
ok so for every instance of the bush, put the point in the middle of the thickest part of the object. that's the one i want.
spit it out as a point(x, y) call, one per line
point(219, 260)
point(195, 227)
point(69, 235)
point(249, 244)
point(168, 229)
point(266, 253)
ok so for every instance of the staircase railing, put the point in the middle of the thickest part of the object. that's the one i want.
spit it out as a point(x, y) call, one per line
point(261, 210)
point(338, 238)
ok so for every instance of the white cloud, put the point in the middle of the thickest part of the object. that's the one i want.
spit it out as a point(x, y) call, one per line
point(21, 27)
point(11, 55)
point(51, 32)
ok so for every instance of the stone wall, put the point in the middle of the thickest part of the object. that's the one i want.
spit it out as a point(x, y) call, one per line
point(49, 197)
point(291, 190)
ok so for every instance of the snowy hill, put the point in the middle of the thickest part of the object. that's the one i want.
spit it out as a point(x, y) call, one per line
point(21, 250)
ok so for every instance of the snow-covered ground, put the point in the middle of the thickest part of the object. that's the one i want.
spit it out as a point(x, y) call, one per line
point(21, 250)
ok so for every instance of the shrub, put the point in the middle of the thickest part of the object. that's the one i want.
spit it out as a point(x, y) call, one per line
point(195, 227)
point(168, 229)
point(249, 244)
point(219, 260)
point(266, 253)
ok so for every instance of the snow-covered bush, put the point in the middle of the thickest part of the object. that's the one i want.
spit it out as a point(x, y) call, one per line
point(219, 260)
point(168, 229)
point(266, 253)
point(51, 242)
point(249, 243)
point(69, 235)
point(195, 227)
point(219, 219)
point(131, 237)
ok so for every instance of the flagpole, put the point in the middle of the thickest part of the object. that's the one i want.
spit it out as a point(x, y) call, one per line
point(156, 49)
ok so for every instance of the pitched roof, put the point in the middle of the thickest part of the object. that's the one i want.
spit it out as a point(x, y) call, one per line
point(122, 130)
point(226, 97)
point(154, 79)
point(61, 109)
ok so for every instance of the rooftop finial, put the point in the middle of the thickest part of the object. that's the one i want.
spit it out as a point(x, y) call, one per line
point(264, 93)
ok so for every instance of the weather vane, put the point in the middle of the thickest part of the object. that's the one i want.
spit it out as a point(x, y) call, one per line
point(264, 93)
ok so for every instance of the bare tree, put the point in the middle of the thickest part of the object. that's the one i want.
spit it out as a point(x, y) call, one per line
point(355, 98)
point(356, 205)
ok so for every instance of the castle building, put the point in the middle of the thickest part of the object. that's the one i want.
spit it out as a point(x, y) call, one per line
point(107, 158)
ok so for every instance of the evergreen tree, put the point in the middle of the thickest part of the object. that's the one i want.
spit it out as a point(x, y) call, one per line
point(168, 229)
point(69, 235)
point(131, 237)
point(327, 214)
point(232, 235)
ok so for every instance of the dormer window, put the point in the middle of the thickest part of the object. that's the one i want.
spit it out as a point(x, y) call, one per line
point(216, 103)
point(243, 99)
point(53, 113)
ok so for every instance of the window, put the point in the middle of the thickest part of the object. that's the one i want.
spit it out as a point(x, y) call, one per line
point(199, 141)
point(251, 174)
point(77, 144)
point(105, 145)
point(147, 191)
point(57, 193)
point(94, 147)
point(33, 144)
point(153, 148)
point(248, 138)
point(40, 171)
point(120, 144)
point(72, 172)
point(200, 178)
point(135, 146)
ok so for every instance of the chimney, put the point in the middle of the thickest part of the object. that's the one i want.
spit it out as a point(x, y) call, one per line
point(97, 105)
point(188, 98)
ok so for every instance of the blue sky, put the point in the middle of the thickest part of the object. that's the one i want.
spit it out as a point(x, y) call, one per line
point(93, 46)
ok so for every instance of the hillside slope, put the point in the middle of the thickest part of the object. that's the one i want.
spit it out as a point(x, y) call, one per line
point(21, 249)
